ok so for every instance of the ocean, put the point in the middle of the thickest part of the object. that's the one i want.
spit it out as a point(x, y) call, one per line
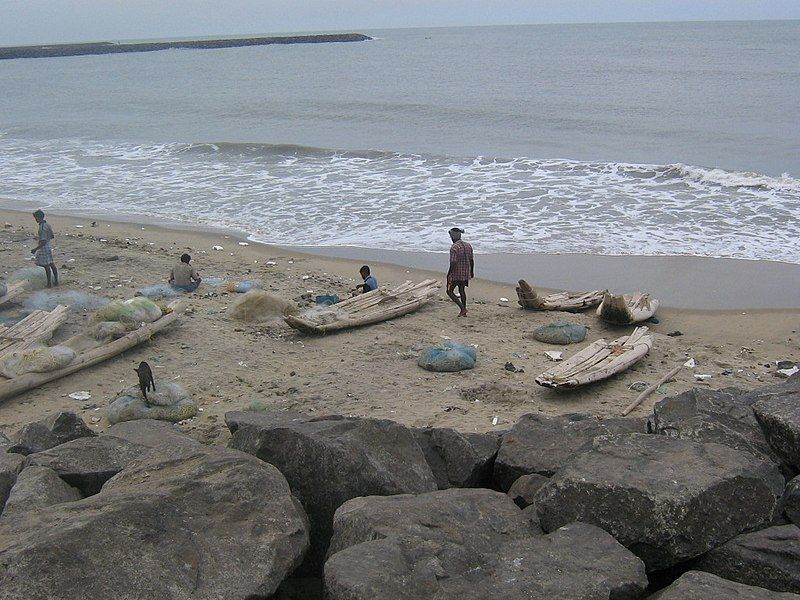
point(617, 139)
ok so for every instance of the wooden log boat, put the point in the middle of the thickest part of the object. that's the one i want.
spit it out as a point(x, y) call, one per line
point(627, 309)
point(13, 291)
point(599, 360)
point(365, 309)
point(565, 301)
point(88, 357)
point(36, 328)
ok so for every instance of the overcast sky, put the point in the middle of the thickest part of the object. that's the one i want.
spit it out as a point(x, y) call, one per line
point(40, 21)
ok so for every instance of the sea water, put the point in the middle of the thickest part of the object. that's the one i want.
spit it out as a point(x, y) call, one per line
point(650, 139)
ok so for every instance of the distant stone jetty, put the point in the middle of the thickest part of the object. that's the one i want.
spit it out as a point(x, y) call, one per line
point(113, 48)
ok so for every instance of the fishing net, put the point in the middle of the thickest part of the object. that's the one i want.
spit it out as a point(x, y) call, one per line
point(135, 310)
point(40, 359)
point(43, 300)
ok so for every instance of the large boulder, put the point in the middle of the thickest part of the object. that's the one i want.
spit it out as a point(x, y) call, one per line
point(768, 558)
point(461, 543)
point(330, 460)
point(87, 463)
point(10, 466)
point(779, 417)
point(791, 500)
point(722, 417)
point(665, 499)
point(696, 585)
point(169, 403)
point(37, 487)
point(524, 489)
point(56, 429)
point(213, 523)
point(541, 444)
point(458, 459)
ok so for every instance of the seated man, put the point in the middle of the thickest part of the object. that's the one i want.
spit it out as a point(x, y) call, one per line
point(183, 276)
point(369, 281)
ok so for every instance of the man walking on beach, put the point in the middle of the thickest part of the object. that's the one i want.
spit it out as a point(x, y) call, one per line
point(43, 252)
point(462, 269)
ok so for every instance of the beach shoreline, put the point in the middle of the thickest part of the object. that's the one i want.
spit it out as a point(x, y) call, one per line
point(371, 371)
point(684, 282)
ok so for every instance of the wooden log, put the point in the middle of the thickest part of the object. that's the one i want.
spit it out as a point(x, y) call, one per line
point(641, 397)
point(29, 381)
point(14, 290)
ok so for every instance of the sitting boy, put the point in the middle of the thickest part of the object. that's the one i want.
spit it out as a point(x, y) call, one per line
point(183, 276)
point(369, 281)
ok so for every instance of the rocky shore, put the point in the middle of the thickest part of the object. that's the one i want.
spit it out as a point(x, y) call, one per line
point(57, 50)
point(700, 499)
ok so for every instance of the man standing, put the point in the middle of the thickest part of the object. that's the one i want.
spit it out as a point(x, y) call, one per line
point(462, 269)
point(43, 252)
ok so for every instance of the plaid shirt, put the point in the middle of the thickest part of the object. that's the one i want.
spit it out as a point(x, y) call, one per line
point(460, 258)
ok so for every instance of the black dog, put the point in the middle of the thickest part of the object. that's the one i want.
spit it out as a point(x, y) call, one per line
point(145, 379)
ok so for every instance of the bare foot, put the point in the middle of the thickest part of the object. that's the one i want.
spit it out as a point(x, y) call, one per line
point(463, 313)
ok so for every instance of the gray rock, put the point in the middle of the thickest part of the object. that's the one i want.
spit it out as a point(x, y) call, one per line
point(87, 463)
point(49, 432)
point(561, 333)
point(524, 489)
point(665, 499)
point(4, 441)
point(330, 460)
point(213, 524)
point(779, 417)
point(157, 435)
point(721, 417)
point(458, 459)
point(533, 519)
point(541, 444)
point(768, 558)
point(469, 544)
point(169, 403)
point(10, 466)
point(791, 500)
point(476, 520)
point(696, 585)
point(37, 487)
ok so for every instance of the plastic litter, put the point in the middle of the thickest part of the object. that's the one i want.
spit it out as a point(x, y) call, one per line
point(242, 287)
point(448, 358)
point(80, 395)
point(702, 376)
point(135, 310)
point(43, 300)
point(553, 355)
point(326, 299)
point(214, 281)
point(41, 359)
point(217, 248)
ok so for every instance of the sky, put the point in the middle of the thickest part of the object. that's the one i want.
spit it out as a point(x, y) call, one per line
point(44, 21)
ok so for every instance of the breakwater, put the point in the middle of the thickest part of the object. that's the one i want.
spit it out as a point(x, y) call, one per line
point(57, 50)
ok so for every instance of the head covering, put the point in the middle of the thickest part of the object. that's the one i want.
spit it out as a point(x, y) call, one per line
point(456, 230)
point(38, 214)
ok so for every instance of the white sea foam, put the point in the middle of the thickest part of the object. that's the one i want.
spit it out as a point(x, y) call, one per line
point(295, 195)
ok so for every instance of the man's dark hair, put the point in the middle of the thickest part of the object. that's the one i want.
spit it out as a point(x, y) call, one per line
point(38, 214)
point(186, 258)
point(364, 269)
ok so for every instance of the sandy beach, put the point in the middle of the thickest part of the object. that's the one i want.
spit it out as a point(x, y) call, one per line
point(227, 365)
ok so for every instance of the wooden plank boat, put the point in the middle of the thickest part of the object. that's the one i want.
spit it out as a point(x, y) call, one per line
point(627, 309)
point(365, 309)
point(36, 328)
point(565, 301)
point(90, 356)
point(599, 360)
point(12, 291)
